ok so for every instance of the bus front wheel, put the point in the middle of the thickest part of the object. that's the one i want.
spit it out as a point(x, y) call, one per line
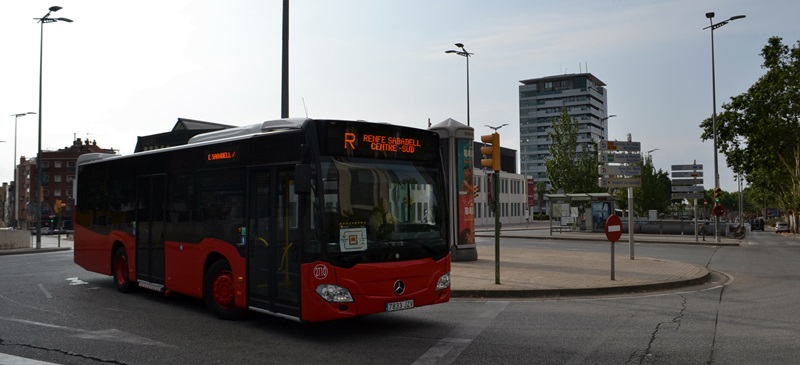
point(218, 291)
point(121, 279)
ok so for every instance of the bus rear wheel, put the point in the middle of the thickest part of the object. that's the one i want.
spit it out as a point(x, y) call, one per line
point(218, 291)
point(121, 279)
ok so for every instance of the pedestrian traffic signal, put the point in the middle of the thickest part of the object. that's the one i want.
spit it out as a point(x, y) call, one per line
point(491, 149)
point(717, 194)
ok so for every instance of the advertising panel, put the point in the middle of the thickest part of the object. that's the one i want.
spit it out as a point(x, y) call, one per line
point(466, 193)
point(600, 213)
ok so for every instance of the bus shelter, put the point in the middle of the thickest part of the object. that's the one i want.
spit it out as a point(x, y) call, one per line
point(579, 211)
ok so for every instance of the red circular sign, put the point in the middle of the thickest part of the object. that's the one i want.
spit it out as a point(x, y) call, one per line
point(613, 228)
point(719, 210)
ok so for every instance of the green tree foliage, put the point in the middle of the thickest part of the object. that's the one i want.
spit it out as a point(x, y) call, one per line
point(759, 130)
point(573, 167)
point(655, 193)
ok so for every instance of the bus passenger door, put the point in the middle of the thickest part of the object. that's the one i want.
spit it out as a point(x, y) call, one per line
point(150, 220)
point(273, 266)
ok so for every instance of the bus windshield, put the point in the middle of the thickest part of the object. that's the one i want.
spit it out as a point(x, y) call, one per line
point(379, 211)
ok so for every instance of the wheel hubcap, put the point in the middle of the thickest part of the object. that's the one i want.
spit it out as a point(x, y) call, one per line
point(223, 289)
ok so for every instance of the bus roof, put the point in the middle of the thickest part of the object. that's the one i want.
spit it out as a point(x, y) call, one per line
point(268, 126)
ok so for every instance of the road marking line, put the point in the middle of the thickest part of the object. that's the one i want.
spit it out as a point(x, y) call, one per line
point(9, 359)
point(447, 349)
point(111, 334)
point(46, 293)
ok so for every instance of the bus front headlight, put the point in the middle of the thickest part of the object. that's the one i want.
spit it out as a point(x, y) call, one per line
point(444, 282)
point(334, 293)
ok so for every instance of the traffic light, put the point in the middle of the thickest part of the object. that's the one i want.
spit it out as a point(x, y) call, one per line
point(57, 205)
point(491, 149)
point(717, 194)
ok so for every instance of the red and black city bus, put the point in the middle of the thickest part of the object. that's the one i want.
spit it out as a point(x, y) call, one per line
point(305, 219)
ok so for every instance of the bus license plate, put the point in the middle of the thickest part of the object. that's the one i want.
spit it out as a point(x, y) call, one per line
point(396, 306)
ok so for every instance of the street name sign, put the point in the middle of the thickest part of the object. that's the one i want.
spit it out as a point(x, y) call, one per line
point(687, 181)
point(619, 146)
point(619, 182)
point(687, 196)
point(693, 167)
point(619, 170)
point(687, 188)
point(619, 157)
point(687, 174)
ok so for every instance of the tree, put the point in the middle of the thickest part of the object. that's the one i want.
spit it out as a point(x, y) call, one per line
point(571, 169)
point(655, 193)
point(759, 130)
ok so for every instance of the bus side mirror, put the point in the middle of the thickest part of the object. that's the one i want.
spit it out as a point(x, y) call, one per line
point(302, 179)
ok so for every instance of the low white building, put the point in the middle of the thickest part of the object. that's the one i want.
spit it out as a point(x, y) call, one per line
point(513, 199)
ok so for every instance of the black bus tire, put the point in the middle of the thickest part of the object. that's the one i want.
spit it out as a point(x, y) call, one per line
point(219, 292)
point(120, 271)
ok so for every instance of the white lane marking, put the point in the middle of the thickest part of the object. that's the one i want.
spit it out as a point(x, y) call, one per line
point(447, 349)
point(76, 281)
point(16, 360)
point(111, 334)
point(46, 293)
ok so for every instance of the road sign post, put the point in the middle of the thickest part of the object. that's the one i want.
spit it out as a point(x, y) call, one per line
point(621, 176)
point(687, 183)
point(613, 233)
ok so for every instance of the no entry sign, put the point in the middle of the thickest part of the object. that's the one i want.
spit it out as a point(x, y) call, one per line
point(613, 228)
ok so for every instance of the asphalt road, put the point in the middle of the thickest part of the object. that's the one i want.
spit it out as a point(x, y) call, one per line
point(52, 310)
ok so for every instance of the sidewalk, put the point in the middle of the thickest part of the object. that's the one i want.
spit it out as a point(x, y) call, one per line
point(535, 272)
point(49, 243)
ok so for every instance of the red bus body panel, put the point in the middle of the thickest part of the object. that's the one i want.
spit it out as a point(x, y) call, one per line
point(185, 266)
point(372, 287)
point(184, 262)
point(92, 250)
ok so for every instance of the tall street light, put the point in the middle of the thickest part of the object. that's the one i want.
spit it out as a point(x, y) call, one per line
point(463, 52)
point(603, 124)
point(710, 16)
point(39, 163)
point(16, 185)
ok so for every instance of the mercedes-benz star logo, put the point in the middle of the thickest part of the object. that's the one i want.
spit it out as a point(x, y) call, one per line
point(399, 287)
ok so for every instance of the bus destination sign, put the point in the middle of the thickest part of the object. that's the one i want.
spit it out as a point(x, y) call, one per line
point(382, 143)
point(378, 141)
point(216, 155)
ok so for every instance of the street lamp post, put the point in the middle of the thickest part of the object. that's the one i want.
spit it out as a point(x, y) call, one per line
point(710, 16)
point(16, 185)
point(463, 52)
point(604, 121)
point(45, 19)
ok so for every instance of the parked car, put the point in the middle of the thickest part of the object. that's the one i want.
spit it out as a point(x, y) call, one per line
point(757, 224)
point(781, 227)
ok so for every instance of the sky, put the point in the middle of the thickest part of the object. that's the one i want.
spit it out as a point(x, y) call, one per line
point(125, 69)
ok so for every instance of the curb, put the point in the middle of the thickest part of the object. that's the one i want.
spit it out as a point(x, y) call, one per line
point(552, 293)
point(23, 251)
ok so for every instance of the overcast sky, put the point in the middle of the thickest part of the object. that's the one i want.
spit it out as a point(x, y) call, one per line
point(124, 69)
